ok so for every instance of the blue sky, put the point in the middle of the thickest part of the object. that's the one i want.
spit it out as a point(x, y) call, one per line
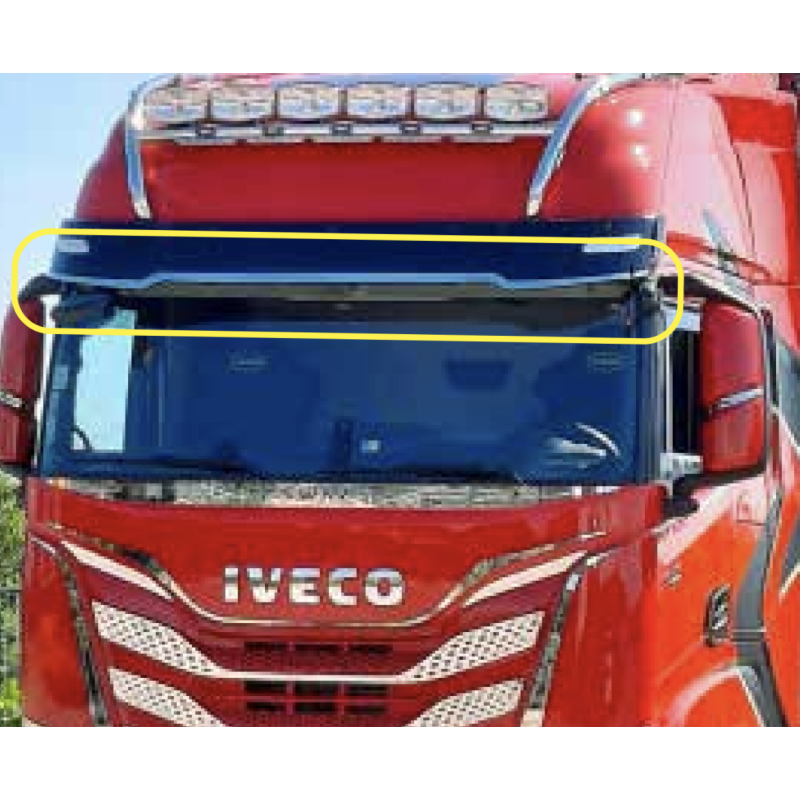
point(53, 127)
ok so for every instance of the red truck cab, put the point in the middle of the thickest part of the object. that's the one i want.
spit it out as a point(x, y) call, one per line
point(289, 521)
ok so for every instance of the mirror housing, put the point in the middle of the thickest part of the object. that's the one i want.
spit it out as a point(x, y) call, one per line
point(21, 360)
point(733, 389)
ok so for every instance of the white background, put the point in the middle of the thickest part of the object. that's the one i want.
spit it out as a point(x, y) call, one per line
point(398, 37)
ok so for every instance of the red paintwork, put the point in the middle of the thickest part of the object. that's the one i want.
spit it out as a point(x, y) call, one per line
point(17, 436)
point(51, 673)
point(633, 649)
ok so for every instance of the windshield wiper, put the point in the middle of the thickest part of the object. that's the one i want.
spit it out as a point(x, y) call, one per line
point(451, 472)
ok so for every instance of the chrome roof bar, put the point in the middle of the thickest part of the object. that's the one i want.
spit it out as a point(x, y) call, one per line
point(134, 128)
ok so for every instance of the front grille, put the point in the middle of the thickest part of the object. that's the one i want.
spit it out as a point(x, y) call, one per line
point(165, 703)
point(185, 686)
point(347, 701)
point(464, 652)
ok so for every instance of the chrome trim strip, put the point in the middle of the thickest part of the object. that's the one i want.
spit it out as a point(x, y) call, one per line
point(737, 399)
point(790, 579)
point(89, 673)
point(543, 680)
point(750, 698)
point(556, 147)
point(134, 128)
point(533, 575)
point(400, 280)
point(278, 132)
point(115, 569)
point(284, 494)
point(468, 650)
point(475, 575)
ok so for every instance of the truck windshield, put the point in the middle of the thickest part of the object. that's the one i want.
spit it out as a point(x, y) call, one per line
point(157, 408)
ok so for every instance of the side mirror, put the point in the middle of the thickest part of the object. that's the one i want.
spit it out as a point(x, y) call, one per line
point(21, 359)
point(733, 386)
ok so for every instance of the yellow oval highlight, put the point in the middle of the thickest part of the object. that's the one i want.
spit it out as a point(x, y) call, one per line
point(374, 237)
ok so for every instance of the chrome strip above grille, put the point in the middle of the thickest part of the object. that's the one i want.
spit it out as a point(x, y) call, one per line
point(519, 579)
point(116, 570)
point(477, 574)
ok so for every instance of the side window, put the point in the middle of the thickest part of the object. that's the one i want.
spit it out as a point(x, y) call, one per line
point(101, 392)
point(789, 388)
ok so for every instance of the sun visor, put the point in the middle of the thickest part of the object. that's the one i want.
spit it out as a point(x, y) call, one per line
point(141, 258)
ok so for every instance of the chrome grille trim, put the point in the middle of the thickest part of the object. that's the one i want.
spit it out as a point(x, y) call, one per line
point(466, 651)
point(116, 570)
point(475, 575)
point(471, 708)
point(159, 700)
point(516, 580)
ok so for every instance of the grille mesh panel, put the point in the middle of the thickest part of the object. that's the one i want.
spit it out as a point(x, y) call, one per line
point(473, 707)
point(463, 652)
point(151, 639)
point(477, 647)
point(159, 700)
